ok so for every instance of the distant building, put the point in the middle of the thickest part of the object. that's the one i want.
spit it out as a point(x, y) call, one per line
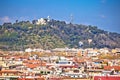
point(28, 50)
point(41, 21)
point(33, 50)
point(48, 18)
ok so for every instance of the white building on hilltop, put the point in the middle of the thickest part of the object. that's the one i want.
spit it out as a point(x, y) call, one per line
point(41, 21)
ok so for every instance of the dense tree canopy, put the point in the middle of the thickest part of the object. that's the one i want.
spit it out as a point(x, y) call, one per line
point(55, 34)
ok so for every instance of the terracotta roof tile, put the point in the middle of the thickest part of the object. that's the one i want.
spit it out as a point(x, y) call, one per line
point(9, 71)
point(112, 67)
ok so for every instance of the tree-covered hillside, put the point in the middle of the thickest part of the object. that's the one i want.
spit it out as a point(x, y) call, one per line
point(54, 34)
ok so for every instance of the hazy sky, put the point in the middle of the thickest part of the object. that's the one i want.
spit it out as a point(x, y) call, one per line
point(102, 13)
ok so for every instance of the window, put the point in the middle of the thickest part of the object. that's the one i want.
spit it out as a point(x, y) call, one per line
point(68, 62)
point(48, 72)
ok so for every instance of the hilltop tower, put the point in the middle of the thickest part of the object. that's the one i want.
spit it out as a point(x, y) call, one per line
point(48, 18)
point(71, 18)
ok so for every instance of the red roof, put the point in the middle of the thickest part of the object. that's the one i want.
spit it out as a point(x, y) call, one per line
point(106, 77)
point(9, 71)
point(112, 67)
point(32, 61)
point(32, 65)
point(38, 78)
point(17, 57)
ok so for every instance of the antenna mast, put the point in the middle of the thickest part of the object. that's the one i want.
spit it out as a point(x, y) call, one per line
point(71, 18)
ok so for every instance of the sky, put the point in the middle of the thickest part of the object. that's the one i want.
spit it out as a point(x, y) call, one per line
point(105, 14)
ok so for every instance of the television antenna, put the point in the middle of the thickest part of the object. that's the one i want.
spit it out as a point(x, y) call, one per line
point(71, 18)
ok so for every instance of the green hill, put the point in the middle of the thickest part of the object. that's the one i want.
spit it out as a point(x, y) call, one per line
point(55, 34)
